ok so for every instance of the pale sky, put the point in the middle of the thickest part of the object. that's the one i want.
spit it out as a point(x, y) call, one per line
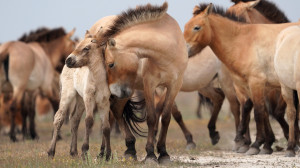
point(20, 16)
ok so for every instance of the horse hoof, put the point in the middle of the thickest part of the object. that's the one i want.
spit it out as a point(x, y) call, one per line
point(51, 153)
point(130, 157)
point(165, 159)
point(13, 139)
point(252, 151)
point(266, 151)
point(237, 145)
point(243, 149)
point(74, 153)
point(151, 160)
point(215, 139)
point(290, 153)
point(190, 146)
point(296, 148)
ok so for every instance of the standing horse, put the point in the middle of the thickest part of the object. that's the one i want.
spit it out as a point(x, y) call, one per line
point(248, 64)
point(286, 63)
point(35, 71)
point(166, 58)
point(275, 104)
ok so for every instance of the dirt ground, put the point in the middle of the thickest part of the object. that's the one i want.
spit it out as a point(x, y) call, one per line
point(30, 153)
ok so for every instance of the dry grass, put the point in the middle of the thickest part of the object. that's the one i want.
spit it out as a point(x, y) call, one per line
point(33, 153)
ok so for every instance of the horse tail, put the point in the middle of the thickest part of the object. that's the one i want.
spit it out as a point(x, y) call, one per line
point(205, 102)
point(134, 113)
point(296, 100)
point(4, 57)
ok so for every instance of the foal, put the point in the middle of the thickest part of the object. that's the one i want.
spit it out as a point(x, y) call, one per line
point(87, 83)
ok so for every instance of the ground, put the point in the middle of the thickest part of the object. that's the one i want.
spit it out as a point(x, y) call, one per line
point(30, 153)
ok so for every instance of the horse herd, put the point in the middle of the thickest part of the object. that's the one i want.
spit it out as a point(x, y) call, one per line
point(130, 67)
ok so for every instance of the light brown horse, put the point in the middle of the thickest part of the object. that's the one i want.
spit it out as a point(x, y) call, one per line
point(286, 63)
point(257, 12)
point(35, 71)
point(164, 47)
point(248, 64)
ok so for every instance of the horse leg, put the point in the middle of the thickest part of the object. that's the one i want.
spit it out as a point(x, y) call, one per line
point(217, 96)
point(287, 95)
point(102, 148)
point(257, 89)
point(198, 111)
point(149, 91)
point(172, 91)
point(117, 106)
point(279, 116)
point(187, 134)
point(24, 113)
point(67, 96)
point(75, 120)
point(14, 108)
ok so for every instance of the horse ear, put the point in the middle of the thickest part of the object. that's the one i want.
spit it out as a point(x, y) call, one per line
point(70, 34)
point(112, 42)
point(196, 8)
point(87, 33)
point(252, 4)
point(99, 33)
point(208, 9)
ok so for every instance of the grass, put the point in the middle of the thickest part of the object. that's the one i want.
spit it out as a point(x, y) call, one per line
point(30, 153)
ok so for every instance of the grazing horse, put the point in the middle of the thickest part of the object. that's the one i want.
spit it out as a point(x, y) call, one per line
point(286, 63)
point(34, 72)
point(249, 65)
point(163, 46)
point(257, 12)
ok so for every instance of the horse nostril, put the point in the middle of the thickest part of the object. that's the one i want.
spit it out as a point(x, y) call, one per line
point(69, 62)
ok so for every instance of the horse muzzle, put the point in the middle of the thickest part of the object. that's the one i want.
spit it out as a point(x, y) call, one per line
point(120, 91)
point(70, 62)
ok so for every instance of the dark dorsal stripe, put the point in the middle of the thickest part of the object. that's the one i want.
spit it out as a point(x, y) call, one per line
point(131, 17)
point(269, 10)
point(220, 11)
point(43, 35)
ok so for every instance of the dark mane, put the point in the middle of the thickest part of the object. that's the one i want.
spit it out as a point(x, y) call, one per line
point(269, 10)
point(140, 14)
point(220, 11)
point(43, 35)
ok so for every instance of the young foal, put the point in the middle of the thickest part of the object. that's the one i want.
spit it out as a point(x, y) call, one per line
point(164, 47)
point(250, 74)
point(87, 83)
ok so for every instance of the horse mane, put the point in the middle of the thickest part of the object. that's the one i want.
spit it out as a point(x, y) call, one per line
point(269, 10)
point(43, 35)
point(220, 11)
point(133, 16)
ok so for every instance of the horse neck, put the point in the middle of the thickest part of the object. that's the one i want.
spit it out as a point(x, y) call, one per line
point(224, 32)
point(256, 17)
point(54, 50)
point(96, 66)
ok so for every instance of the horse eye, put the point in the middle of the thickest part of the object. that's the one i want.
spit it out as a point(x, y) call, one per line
point(197, 28)
point(111, 65)
point(86, 49)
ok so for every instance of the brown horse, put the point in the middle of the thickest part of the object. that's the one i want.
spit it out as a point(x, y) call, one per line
point(213, 27)
point(275, 104)
point(166, 58)
point(34, 72)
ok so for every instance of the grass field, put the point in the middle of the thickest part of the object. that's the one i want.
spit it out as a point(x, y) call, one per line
point(30, 153)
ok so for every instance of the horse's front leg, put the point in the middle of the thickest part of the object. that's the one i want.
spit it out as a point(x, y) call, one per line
point(149, 91)
point(75, 120)
point(257, 89)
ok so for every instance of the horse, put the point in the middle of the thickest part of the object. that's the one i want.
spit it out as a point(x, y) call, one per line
point(257, 12)
point(34, 72)
point(89, 84)
point(251, 75)
point(164, 48)
point(286, 61)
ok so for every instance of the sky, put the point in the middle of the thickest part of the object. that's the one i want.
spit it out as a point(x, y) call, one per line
point(20, 16)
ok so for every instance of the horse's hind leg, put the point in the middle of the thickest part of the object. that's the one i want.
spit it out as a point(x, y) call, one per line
point(75, 120)
point(217, 96)
point(14, 108)
point(188, 136)
point(67, 96)
point(172, 91)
